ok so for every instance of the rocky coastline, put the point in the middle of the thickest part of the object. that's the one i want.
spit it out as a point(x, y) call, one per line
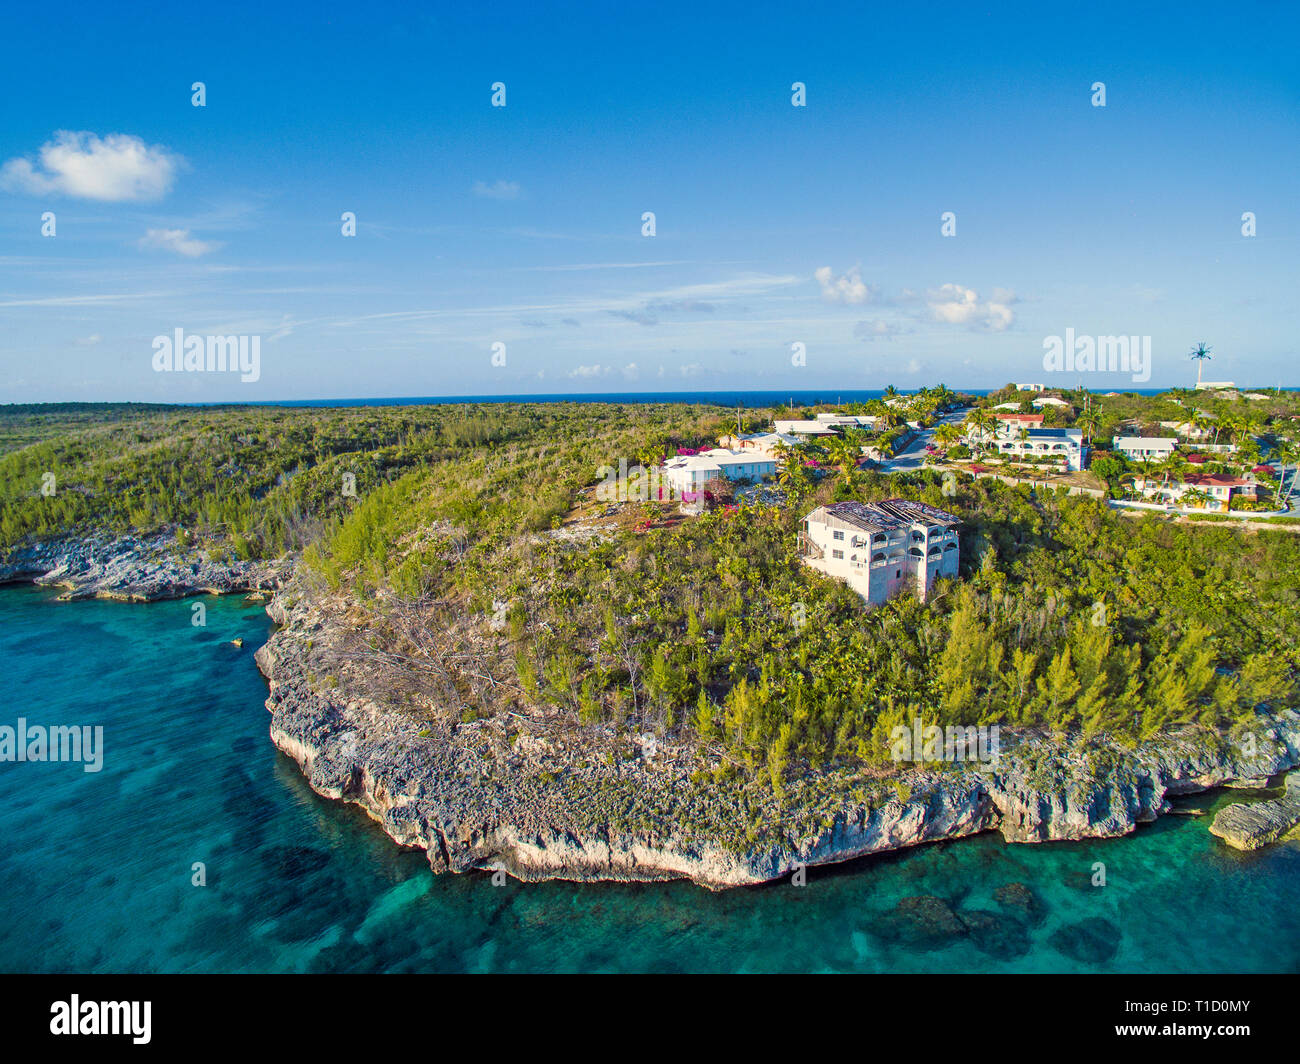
point(539, 799)
point(1249, 827)
point(134, 568)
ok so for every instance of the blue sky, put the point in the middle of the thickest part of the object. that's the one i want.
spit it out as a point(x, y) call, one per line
point(522, 225)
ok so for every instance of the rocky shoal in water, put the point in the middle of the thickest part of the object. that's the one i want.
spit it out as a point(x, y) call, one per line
point(1249, 826)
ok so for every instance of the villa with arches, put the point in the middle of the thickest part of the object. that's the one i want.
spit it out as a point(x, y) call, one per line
point(881, 549)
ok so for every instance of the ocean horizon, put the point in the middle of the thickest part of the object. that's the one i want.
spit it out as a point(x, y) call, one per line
point(751, 399)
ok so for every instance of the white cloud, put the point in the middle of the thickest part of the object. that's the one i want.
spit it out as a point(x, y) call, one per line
point(89, 341)
point(118, 168)
point(846, 289)
point(497, 190)
point(692, 369)
point(631, 370)
point(957, 305)
point(1000, 317)
point(877, 329)
point(177, 240)
point(590, 371)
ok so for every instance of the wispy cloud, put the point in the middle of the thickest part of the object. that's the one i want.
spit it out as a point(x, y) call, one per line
point(878, 329)
point(574, 267)
point(640, 317)
point(84, 301)
point(499, 190)
point(176, 240)
point(649, 314)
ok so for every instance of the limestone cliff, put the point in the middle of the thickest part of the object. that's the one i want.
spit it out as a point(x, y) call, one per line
point(539, 799)
point(140, 568)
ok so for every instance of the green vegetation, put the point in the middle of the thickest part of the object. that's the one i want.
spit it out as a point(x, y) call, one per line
point(265, 480)
point(709, 629)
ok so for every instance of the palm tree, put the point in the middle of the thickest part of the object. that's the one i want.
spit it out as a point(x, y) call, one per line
point(845, 455)
point(1146, 467)
point(793, 474)
point(1174, 464)
point(787, 456)
point(1200, 353)
point(1242, 427)
point(947, 434)
point(1088, 420)
point(980, 422)
point(1199, 420)
point(1196, 496)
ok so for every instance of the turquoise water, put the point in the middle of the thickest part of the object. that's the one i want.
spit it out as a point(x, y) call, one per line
point(95, 869)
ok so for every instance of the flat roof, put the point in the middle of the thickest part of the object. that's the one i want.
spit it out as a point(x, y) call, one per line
point(890, 514)
point(1052, 434)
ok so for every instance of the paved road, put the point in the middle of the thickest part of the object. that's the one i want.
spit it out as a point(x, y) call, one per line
point(912, 457)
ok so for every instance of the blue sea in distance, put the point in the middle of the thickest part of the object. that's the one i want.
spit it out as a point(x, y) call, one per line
point(95, 869)
point(748, 399)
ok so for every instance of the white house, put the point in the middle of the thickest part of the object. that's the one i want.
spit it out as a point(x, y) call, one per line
point(857, 421)
point(881, 549)
point(763, 444)
point(1204, 386)
point(1066, 444)
point(1145, 448)
point(1029, 387)
point(690, 473)
point(804, 428)
point(1188, 430)
point(1051, 400)
point(1219, 487)
point(1009, 423)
